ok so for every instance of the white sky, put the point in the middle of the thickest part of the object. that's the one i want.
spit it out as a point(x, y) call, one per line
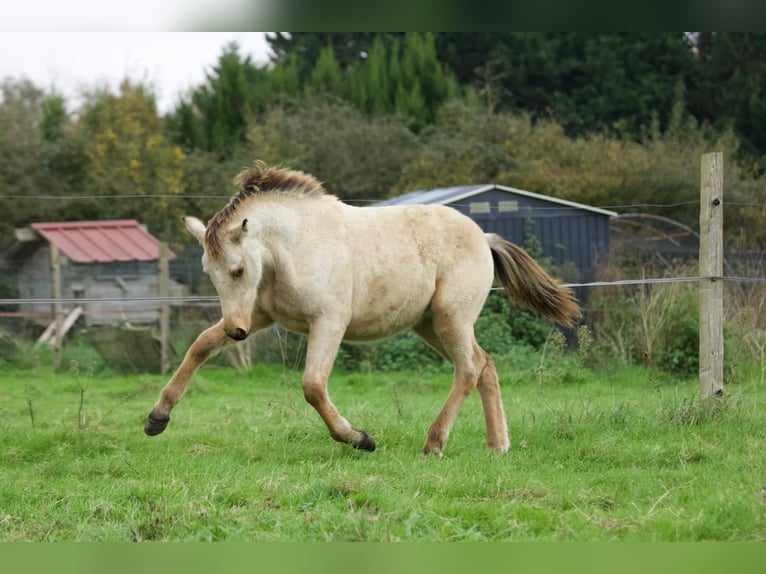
point(131, 15)
point(172, 62)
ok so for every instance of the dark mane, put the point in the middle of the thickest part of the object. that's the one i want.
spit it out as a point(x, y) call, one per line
point(253, 181)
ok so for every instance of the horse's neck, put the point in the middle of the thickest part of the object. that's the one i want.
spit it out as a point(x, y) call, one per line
point(293, 220)
point(290, 234)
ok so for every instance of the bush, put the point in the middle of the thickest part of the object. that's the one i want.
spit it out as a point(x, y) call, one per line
point(679, 349)
point(656, 325)
point(402, 352)
point(8, 345)
point(499, 329)
point(502, 325)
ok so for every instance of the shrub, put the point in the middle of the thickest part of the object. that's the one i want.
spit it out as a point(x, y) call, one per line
point(678, 352)
point(657, 325)
point(499, 329)
point(402, 352)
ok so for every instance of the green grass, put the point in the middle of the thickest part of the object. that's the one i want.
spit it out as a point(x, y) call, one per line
point(618, 455)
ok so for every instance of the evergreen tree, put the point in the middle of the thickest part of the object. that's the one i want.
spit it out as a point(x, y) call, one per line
point(421, 83)
point(378, 73)
point(378, 79)
point(349, 48)
point(284, 78)
point(326, 77)
point(215, 116)
point(588, 82)
point(730, 86)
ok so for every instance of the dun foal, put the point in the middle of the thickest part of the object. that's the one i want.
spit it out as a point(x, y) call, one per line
point(283, 251)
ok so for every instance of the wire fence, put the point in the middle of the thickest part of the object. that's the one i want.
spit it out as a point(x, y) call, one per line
point(175, 300)
point(192, 311)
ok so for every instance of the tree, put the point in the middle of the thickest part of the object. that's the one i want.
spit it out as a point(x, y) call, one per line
point(379, 73)
point(284, 78)
point(423, 83)
point(129, 156)
point(40, 157)
point(326, 76)
point(613, 83)
point(20, 155)
point(356, 156)
point(63, 163)
point(349, 48)
point(730, 88)
point(214, 116)
point(465, 146)
point(378, 81)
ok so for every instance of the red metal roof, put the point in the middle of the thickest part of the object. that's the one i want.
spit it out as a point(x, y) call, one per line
point(101, 241)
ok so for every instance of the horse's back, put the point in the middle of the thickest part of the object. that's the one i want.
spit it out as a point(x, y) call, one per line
point(442, 238)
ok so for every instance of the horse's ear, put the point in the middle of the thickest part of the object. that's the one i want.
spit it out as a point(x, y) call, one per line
point(196, 228)
point(237, 232)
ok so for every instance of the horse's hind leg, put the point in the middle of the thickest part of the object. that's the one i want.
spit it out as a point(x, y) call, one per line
point(494, 415)
point(473, 367)
point(456, 343)
point(323, 343)
point(207, 344)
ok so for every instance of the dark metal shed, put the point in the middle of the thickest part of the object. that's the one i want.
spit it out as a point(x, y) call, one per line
point(568, 232)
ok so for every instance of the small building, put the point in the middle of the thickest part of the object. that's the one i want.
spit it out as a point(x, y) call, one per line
point(106, 260)
point(572, 234)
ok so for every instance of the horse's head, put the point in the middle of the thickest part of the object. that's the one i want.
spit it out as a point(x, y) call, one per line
point(234, 266)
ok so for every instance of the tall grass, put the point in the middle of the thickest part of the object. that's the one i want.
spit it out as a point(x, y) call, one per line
point(623, 454)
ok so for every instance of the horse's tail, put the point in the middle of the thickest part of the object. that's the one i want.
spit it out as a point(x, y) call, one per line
point(528, 285)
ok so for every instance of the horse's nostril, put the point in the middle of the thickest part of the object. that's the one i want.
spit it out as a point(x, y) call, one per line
point(240, 334)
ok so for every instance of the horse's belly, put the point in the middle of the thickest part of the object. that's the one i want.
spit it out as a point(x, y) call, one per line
point(371, 325)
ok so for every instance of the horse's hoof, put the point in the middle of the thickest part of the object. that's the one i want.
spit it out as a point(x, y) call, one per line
point(432, 451)
point(501, 448)
point(155, 425)
point(366, 443)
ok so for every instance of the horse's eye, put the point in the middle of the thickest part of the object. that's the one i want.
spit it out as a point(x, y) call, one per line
point(238, 272)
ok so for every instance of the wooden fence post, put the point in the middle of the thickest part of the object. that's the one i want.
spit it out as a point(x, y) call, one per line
point(58, 309)
point(164, 292)
point(711, 267)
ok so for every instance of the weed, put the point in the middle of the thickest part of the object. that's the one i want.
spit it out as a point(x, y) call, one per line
point(31, 413)
point(553, 350)
point(584, 347)
point(691, 412)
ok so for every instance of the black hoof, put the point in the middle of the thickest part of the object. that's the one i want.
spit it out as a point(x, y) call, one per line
point(155, 425)
point(367, 443)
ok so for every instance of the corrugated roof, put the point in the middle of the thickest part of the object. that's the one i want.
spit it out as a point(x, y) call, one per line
point(446, 195)
point(101, 241)
point(436, 195)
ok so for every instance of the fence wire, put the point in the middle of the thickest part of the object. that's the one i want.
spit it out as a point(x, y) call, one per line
point(214, 298)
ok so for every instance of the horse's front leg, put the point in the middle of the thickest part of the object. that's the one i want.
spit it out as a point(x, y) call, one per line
point(206, 345)
point(323, 342)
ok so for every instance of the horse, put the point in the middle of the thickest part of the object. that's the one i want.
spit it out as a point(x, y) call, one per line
point(284, 251)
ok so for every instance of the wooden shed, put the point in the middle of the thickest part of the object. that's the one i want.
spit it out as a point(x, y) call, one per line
point(569, 232)
point(108, 260)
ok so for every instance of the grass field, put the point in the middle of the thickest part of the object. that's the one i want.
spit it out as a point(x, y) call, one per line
point(620, 455)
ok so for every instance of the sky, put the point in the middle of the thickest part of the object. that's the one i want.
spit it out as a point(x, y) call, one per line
point(172, 62)
point(124, 15)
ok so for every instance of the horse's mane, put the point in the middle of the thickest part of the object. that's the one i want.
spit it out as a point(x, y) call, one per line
point(253, 181)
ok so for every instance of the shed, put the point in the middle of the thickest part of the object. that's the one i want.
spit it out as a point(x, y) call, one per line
point(568, 232)
point(109, 260)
